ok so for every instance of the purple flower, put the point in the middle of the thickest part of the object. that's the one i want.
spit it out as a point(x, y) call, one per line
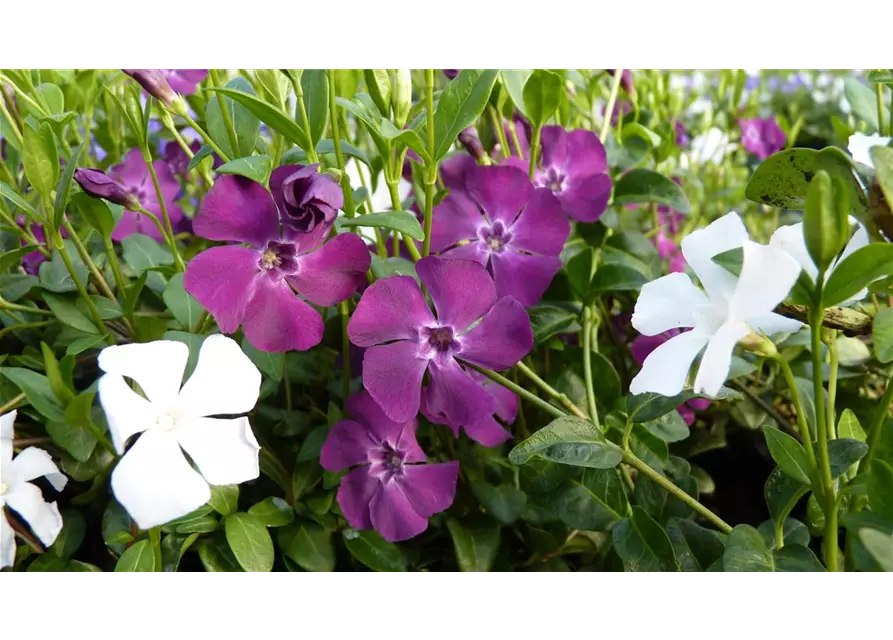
point(451, 73)
point(574, 166)
point(252, 286)
point(682, 137)
point(134, 174)
point(468, 138)
point(390, 489)
point(184, 81)
point(305, 197)
point(518, 237)
point(176, 158)
point(31, 261)
point(97, 184)
point(155, 84)
point(405, 340)
point(488, 432)
point(762, 136)
point(626, 80)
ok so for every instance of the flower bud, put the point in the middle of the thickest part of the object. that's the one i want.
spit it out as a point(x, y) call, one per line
point(468, 137)
point(451, 73)
point(825, 219)
point(626, 81)
point(306, 198)
point(401, 95)
point(759, 344)
point(155, 84)
point(97, 184)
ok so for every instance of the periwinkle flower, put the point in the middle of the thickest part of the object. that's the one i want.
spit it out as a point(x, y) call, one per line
point(451, 73)
point(176, 157)
point(305, 197)
point(184, 81)
point(133, 175)
point(99, 185)
point(31, 261)
point(252, 286)
point(404, 340)
point(502, 222)
point(682, 137)
point(761, 136)
point(390, 489)
point(155, 84)
point(626, 80)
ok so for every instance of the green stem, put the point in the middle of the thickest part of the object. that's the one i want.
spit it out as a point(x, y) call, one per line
point(8, 406)
point(172, 243)
point(515, 140)
point(204, 134)
point(834, 365)
point(91, 306)
point(13, 125)
point(877, 424)
point(305, 121)
point(115, 265)
point(534, 151)
point(155, 539)
point(879, 92)
point(588, 330)
point(612, 100)
point(802, 425)
point(101, 284)
point(547, 388)
point(520, 391)
point(345, 350)
point(25, 325)
point(224, 112)
point(349, 208)
point(12, 306)
point(431, 166)
point(499, 131)
point(395, 205)
point(169, 125)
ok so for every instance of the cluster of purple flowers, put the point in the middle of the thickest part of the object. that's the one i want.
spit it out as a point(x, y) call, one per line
point(762, 136)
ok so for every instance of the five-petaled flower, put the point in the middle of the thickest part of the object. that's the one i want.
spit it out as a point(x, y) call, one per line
point(761, 136)
point(19, 494)
point(154, 481)
point(134, 175)
point(252, 286)
point(405, 340)
point(390, 489)
point(731, 308)
point(518, 237)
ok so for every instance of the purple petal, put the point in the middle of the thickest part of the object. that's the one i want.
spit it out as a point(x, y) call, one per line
point(392, 374)
point(687, 414)
point(699, 404)
point(408, 445)
point(390, 309)
point(454, 171)
point(642, 346)
point(133, 171)
point(542, 228)
point(586, 199)
point(393, 516)
point(277, 320)
point(239, 210)
point(335, 272)
point(488, 432)
point(501, 339)
point(506, 401)
point(585, 154)
point(475, 250)
point(132, 222)
point(456, 218)
point(223, 280)
point(456, 395)
point(430, 488)
point(553, 140)
point(502, 191)
point(347, 445)
point(365, 410)
point(462, 290)
point(524, 277)
point(357, 490)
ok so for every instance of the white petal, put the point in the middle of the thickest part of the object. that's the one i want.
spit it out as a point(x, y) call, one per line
point(225, 451)
point(789, 238)
point(717, 360)
point(156, 366)
point(860, 145)
point(667, 303)
point(665, 370)
point(767, 275)
point(772, 323)
point(126, 411)
point(43, 518)
point(7, 543)
point(155, 483)
point(34, 463)
point(700, 246)
point(6, 421)
point(225, 380)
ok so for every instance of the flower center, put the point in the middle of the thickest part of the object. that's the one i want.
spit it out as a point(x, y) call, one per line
point(279, 259)
point(4, 488)
point(440, 339)
point(166, 422)
point(551, 179)
point(495, 237)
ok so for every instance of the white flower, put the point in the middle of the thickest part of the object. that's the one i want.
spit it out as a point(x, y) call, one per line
point(26, 499)
point(860, 145)
point(711, 146)
point(732, 308)
point(154, 481)
point(790, 238)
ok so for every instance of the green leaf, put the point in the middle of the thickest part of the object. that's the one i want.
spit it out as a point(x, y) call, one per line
point(505, 502)
point(848, 426)
point(476, 546)
point(250, 542)
point(793, 532)
point(54, 275)
point(542, 94)
point(315, 83)
point(374, 551)
point(185, 308)
point(141, 253)
point(789, 455)
point(645, 185)
point(881, 76)
point(173, 547)
point(255, 168)
point(37, 389)
point(204, 152)
point(844, 453)
point(607, 390)
point(244, 122)
point(306, 476)
point(669, 427)
point(857, 271)
point(514, 80)
point(461, 102)
point(580, 270)
point(270, 364)
point(782, 494)
point(378, 84)
point(570, 441)
point(10, 194)
point(642, 543)
point(72, 535)
point(41, 159)
point(882, 333)
point(593, 502)
point(796, 558)
point(139, 557)
point(645, 407)
point(54, 375)
point(696, 548)
point(549, 320)
point(309, 545)
point(14, 258)
point(67, 312)
point(96, 212)
point(63, 188)
point(747, 551)
point(49, 562)
point(216, 556)
point(224, 498)
point(880, 481)
point(400, 221)
point(863, 102)
point(269, 115)
point(76, 434)
point(879, 545)
point(273, 512)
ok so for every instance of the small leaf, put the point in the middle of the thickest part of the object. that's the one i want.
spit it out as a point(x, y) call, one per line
point(255, 168)
point(642, 543)
point(880, 480)
point(309, 545)
point(244, 122)
point(789, 455)
point(400, 221)
point(184, 307)
point(476, 546)
point(139, 557)
point(315, 83)
point(72, 535)
point(696, 547)
point(10, 194)
point(224, 498)
point(67, 312)
point(269, 115)
point(848, 426)
point(250, 542)
point(505, 502)
point(879, 545)
point(374, 551)
point(273, 512)
point(63, 188)
point(857, 271)
point(645, 185)
point(570, 441)
point(670, 427)
point(542, 94)
point(96, 212)
point(782, 494)
point(461, 102)
point(200, 155)
point(40, 159)
point(747, 551)
point(37, 389)
point(844, 453)
point(882, 334)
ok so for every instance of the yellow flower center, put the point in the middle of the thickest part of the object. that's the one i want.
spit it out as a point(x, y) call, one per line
point(270, 259)
point(3, 488)
point(165, 422)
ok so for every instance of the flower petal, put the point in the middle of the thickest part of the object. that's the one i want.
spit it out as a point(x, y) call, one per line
point(223, 280)
point(456, 218)
point(225, 380)
point(33, 463)
point(456, 395)
point(430, 488)
point(506, 401)
point(502, 191)
point(126, 411)
point(523, 276)
point(772, 323)
point(156, 366)
point(132, 171)
point(542, 228)
point(488, 432)
point(717, 360)
point(238, 210)
point(390, 309)
point(667, 303)
point(501, 339)
point(379, 427)
point(354, 495)
point(392, 374)
point(462, 290)
point(585, 153)
point(699, 247)
point(347, 445)
point(154, 482)
point(665, 370)
point(586, 198)
point(767, 275)
point(789, 238)
point(475, 250)
point(859, 145)
point(277, 320)
point(334, 272)
point(553, 142)
point(392, 514)
point(7, 543)
point(42, 517)
point(225, 451)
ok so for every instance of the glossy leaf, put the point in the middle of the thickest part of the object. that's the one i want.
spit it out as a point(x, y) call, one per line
point(249, 541)
point(593, 502)
point(372, 550)
point(273, 512)
point(139, 557)
point(41, 158)
point(504, 502)
point(475, 546)
point(789, 455)
point(542, 94)
point(400, 221)
point(269, 115)
point(315, 84)
point(63, 188)
point(782, 494)
point(645, 185)
point(185, 308)
point(308, 545)
point(570, 441)
point(255, 168)
point(643, 545)
point(696, 548)
point(461, 102)
point(857, 271)
point(245, 123)
point(882, 334)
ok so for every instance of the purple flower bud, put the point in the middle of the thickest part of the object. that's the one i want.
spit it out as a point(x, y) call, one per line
point(155, 84)
point(451, 73)
point(305, 197)
point(468, 138)
point(95, 183)
point(626, 80)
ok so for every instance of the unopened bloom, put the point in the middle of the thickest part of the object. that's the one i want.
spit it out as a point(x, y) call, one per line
point(133, 174)
point(727, 310)
point(155, 83)
point(252, 286)
point(762, 136)
point(518, 237)
point(19, 494)
point(626, 80)
point(99, 185)
point(154, 481)
point(390, 490)
point(305, 197)
point(859, 146)
point(405, 340)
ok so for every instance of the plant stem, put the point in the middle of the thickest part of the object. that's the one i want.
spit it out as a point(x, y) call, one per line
point(499, 131)
point(560, 397)
point(8, 406)
point(12, 306)
point(588, 330)
point(520, 391)
point(349, 208)
point(609, 109)
point(877, 423)
point(395, 205)
point(832, 384)
point(101, 284)
point(91, 306)
point(13, 125)
point(802, 425)
point(204, 134)
point(25, 325)
point(305, 120)
point(879, 92)
point(431, 166)
point(225, 114)
point(534, 151)
point(155, 539)
point(178, 261)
